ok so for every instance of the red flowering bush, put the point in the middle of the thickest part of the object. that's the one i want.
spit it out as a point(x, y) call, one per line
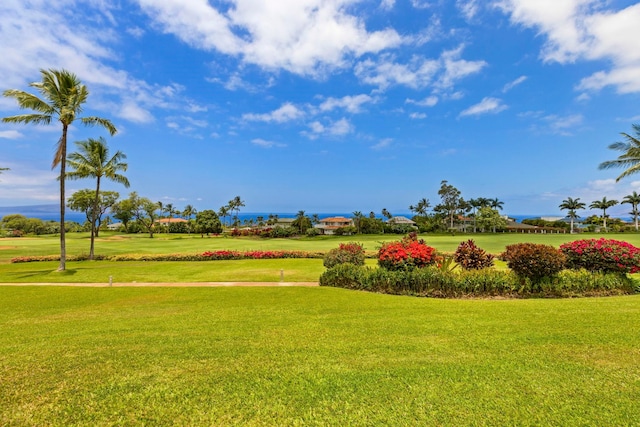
point(605, 255)
point(407, 254)
point(471, 257)
point(352, 253)
point(534, 261)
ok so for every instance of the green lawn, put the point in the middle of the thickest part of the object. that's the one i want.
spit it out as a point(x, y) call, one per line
point(250, 271)
point(313, 356)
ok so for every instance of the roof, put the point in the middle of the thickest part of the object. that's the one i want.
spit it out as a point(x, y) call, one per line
point(336, 219)
point(400, 220)
point(170, 220)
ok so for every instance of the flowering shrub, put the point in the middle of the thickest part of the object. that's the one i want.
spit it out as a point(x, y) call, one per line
point(534, 261)
point(606, 255)
point(352, 253)
point(407, 254)
point(205, 256)
point(471, 257)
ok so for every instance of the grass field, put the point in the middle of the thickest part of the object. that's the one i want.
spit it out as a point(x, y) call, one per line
point(313, 356)
point(250, 271)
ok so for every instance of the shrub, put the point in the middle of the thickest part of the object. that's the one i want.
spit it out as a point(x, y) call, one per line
point(471, 257)
point(605, 255)
point(407, 254)
point(534, 261)
point(312, 232)
point(352, 253)
point(348, 276)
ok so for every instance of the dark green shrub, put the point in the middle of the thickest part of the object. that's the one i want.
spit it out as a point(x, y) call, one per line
point(312, 232)
point(352, 253)
point(471, 257)
point(534, 261)
point(348, 276)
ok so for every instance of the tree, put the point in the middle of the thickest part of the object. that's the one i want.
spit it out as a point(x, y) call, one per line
point(634, 200)
point(63, 96)
point(451, 201)
point(85, 201)
point(224, 213)
point(357, 220)
point(603, 204)
point(234, 206)
point(123, 211)
point(302, 222)
point(386, 213)
point(489, 218)
point(144, 211)
point(189, 211)
point(207, 221)
point(421, 207)
point(572, 205)
point(92, 161)
point(496, 204)
point(630, 157)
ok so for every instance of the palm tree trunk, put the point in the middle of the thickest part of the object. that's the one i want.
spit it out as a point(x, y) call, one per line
point(93, 219)
point(63, 171)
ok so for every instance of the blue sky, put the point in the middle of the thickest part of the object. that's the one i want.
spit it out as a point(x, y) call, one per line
point(333, 105)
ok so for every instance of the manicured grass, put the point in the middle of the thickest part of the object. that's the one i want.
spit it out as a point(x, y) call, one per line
point(313, 356)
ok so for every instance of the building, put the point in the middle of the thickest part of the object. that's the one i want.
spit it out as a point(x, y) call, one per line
point(330, 225)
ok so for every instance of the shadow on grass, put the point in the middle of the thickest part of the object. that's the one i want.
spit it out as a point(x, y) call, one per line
point(41, 273)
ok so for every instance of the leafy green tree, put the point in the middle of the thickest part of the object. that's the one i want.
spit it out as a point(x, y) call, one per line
point(489, 218)
point(603, 204)
point(630, 157)
point(123, 211)
point(92, 161)
point(302, 222)
point(634, 200)
point(207, 221)
point(572, 205)
point(85, 201)
point(63, 96)
point(145, 212)
point(451, 202)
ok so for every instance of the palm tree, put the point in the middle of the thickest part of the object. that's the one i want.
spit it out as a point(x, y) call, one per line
point(495, 204)
point(634, 200)
point(300, 221)
point(357, 220)
point(572, 205)
point(421, 208)
point(188, 212)
point(62, 98)
point(234, 205)
point(92, 161)
point(603, 204)
point(630, 157)
point(386, 213)
point(223, 212)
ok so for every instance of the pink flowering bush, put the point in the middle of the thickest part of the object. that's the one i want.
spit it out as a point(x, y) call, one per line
point(407, 254)
point(604, 255)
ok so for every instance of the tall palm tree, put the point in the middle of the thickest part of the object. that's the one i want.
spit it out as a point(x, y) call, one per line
point(188, 211)
point(572, 205)
point(357, 220)
point(630, 157)
point(386, 213)
point(92, 161)
point(634, 200)
point(603, 204)
point(234, 205)
point(63, 96)
point(421, 207)
point(223, 213)
point(496, 204)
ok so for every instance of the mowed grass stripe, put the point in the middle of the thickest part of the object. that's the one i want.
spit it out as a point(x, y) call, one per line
point(313, 356)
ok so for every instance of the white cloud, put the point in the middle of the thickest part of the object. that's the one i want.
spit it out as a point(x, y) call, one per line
point(303, 37)
point(266, 144)
point(384, 143)
point(74, 41)
point(334, 128)
point(351, 104)
point(441, 73)
point(585, 30)
point(287, 112)
point(468, 8)
point(387, 4)
point(488, 105)
point(417, 116)
point(10, 134)
point(564, 124)
point(513, 84)
point(429, 101)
